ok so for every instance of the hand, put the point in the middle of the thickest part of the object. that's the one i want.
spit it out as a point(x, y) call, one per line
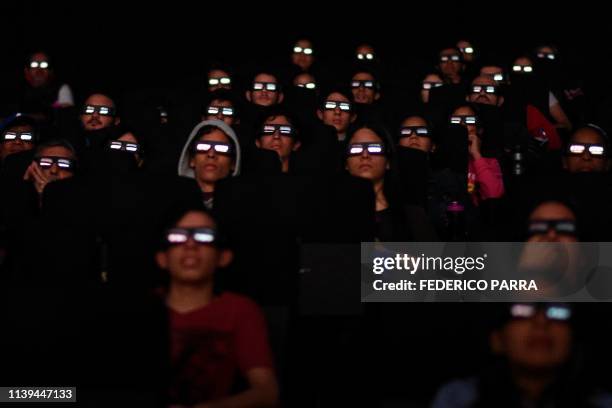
point(35, 174)
point(474, 146)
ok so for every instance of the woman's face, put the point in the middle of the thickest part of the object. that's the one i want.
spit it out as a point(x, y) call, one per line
point(369, 165)
point(534, 343)
point(417, 138)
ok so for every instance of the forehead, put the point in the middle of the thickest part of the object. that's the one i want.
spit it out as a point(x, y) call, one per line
point(215, 136)
point(464, 110)
point(99, 99)
point(587, 135)
point(304, 43)
point(364, 49)
point(363, 76)
point(304, 78)
point(217, 73)
point(20, 128)
point(365, 135)
point(128, 137)
point(552, 211)
point(337, 96)
point(224, 103)
point(57, 151)
point(546, 48)
point(39, 56)
point(414, 121)
point(265, 78)
point(277, 120)
point(195, 219)
point(483, 80)
point(464, 44)
point(433, 78)
point(491, 70)
point(522, 61)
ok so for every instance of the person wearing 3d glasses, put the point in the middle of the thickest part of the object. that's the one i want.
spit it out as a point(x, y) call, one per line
point(279, 132)
point(587, 151)
point(18, 135)
point(216, 338)
point(53, 160)
point(265, 90)
point(369, 155)
point(219, 77)
point(484, 173)
point(303, 54)
point(450, 65)
point(221, 105)
point(533, 363)
point(98, 112)
point(336, 109)
point(211, 153)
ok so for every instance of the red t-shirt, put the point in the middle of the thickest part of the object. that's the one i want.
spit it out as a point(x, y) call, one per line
point(212, 345)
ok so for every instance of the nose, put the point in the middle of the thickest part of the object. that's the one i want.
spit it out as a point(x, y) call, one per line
point(552, 235)
point(586, 155)
point(211, 153)
point(540, 318)
point(54, 169)
point(365, 154)
point(337, 110)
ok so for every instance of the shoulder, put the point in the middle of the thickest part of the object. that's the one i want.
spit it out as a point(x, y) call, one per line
point(457, 394)
point(239, 303)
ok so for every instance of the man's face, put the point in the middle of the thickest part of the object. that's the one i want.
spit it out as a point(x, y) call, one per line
point(38, 72)
point(219, 79)
point(303, 54)
point(450, 63)
point(337, 117)
point(305, 81)
point(415, 134)
point(209, 164)
point(48, 162)
point(278, 141)
point(221, 110)
point(485, 90)
point(552, 222)
point(546, 53)
point(365, 53)
point(102, 113)
point(431, 81)
point(265, 91)
point(368, 165)
point(16, 139)
point(192, 262)
point(467, 50)
point(363, 86)
point(495, 72)
point(583, 155)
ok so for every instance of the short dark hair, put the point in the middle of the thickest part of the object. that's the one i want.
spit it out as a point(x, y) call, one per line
point(275, 111)
point(56, 143)
point(222, 95)
point(602, 134)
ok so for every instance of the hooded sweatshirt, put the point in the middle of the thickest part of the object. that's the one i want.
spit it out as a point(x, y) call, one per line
point(183, 166)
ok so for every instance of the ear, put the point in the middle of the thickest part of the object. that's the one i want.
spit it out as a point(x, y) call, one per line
point(225, 258)
point(296, 145)
point(192, 163)
point(496, 343)
point(377, 96)
point(500, 101)
point(467, 98)
point(433, 148)
point(247, 94)
point(353, 117)
point(162, 260)
point(319, 114)
point(281, 97)
point(258, 143)
point(117, 121)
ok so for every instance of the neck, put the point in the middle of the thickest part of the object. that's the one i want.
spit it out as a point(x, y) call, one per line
point(206, 187)
point(285, 166)
point(381, 200)
point(532, 384)
point(187, 297)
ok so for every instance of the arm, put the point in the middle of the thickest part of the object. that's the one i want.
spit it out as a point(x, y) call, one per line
point(489, 178)
point(561, 119)
point(262, 392)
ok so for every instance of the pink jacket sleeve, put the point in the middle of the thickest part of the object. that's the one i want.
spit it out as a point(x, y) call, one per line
point(489, 177)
